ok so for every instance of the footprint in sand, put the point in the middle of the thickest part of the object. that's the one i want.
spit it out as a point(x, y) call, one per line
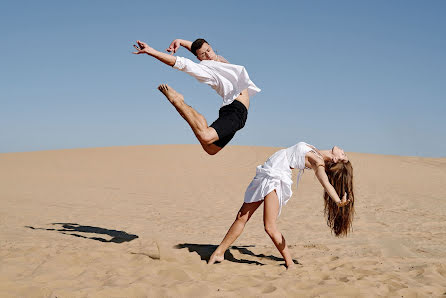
point(393, 247)
point(441, 269)
point(317, 246)
point(174, 274)
point(156, 250)
point(269, 289)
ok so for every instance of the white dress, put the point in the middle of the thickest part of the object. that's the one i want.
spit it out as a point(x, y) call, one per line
point(228, 80)
point(275, 174)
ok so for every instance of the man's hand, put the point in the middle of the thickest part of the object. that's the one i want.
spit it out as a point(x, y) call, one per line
point(174, 46)
point(142, 48)
point(344, 201)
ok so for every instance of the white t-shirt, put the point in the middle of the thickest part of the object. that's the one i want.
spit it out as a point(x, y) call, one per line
point(228, 80)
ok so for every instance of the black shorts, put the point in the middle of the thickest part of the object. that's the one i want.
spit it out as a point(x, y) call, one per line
point(231, 118)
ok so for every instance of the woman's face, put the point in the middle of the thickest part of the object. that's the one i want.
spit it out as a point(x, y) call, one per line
point(338, 154)
point(206, 53)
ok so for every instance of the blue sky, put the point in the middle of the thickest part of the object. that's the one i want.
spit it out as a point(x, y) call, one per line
point(369, 76)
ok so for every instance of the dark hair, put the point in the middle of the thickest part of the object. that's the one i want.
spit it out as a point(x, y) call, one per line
point(339, 219)
point(196, 45)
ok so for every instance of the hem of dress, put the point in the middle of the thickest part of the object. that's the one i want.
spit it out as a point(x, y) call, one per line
point(263, 198)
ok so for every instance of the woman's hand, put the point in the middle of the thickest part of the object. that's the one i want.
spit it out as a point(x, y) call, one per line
point(343, 202)
point(142, 48)
point(174, 46)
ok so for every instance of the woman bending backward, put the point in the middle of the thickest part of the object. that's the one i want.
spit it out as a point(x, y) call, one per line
point(272, 185)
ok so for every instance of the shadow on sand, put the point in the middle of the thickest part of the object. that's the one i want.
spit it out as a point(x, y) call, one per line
point(205, 251)
point(72, 228)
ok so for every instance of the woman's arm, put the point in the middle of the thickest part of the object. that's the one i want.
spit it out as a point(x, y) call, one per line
point(319, 169)
point(144, 48)
point(175, 45)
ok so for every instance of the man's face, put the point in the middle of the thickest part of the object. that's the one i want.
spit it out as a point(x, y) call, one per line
point(206, 53)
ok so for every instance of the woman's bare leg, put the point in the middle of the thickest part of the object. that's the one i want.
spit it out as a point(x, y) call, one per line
point(270, 213)
point(244, 214)
point(206, 135)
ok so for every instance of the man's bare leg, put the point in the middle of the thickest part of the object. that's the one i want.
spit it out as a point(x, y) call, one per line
point(206, 135)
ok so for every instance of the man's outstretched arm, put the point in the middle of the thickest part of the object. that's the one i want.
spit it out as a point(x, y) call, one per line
point(177, 43)
point(144, 48)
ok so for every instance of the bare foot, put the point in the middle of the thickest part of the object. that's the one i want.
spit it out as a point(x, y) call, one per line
point(292, 270)
point(216, 258)
point(293, 266)
point(174, 97)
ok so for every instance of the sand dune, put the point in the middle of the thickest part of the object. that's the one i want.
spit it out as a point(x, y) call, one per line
point(142, 221)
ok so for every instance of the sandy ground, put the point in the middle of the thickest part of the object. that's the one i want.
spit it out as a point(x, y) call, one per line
point(142, 221)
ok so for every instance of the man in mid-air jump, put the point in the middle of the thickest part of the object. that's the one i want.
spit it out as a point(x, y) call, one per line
point(230, 81)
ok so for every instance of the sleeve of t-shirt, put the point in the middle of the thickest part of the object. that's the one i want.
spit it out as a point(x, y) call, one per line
point(200, 72)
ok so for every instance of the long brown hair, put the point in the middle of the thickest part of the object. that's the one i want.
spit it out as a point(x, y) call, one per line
point(339, 219)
